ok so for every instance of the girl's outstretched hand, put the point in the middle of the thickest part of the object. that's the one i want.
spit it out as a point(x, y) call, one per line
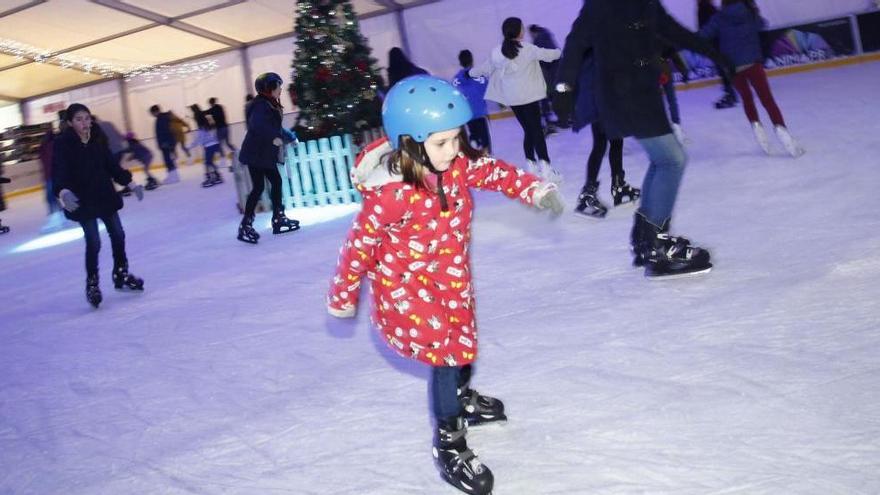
point(549, 198)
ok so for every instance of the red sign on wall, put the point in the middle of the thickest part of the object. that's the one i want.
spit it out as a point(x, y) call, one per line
point(54, 107)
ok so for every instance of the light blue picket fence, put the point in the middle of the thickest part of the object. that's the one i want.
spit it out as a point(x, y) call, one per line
point(317, 172)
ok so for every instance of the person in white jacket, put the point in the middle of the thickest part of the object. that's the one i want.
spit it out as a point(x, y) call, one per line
point(516, 80)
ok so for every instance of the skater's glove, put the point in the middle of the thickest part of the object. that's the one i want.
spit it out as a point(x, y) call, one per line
point(137, 189)
point(563, 102)
point(547, 197)
point(68, 200)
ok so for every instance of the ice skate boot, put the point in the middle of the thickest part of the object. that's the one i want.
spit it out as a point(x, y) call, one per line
point(623, 193)
point(151, 184)
point(458, 465)
point(209, 180)
point(3, 229)
point(761, 137)
point(173, 177)
point(281, 224)
point(477, 409)
point(246, 231)
point(125, 192)
point(664, 255)
point(532, 167)
point(726, 101)
point(124, 280)
point(217, 178)
point(549, 173)
point(789, 143)
point(588, 204)
point(93, 292)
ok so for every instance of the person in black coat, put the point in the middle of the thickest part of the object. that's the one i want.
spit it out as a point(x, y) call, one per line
point(218, 114)
point(400, 67)
point(262, 151)
point(624, 39)
point(84, 170)
point(706, 9)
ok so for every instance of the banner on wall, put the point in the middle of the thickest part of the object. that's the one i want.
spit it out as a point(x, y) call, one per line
point(869, 29)
point(785, 47)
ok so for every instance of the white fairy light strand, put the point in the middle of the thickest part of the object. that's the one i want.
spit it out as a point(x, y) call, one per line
point(106, 68)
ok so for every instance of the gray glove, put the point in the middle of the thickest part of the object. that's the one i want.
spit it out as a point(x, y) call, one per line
point(68, 200)
point(137, 189)
point(552, 201)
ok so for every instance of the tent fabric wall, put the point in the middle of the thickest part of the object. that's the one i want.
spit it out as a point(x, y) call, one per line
point(436, 33)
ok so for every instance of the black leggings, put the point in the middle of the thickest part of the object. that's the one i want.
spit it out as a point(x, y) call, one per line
point(529, 117)
point(600, 144)
point(259, 177)
point(478, 129)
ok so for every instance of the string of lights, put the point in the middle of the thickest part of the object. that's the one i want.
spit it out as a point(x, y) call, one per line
point(105, 68)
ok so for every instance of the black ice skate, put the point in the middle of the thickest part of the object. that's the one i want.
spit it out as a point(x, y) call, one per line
point(664, 255)
point(217, 178)
point(151, 184)
point(123, 280)
point(3, 229)
point(281, 224)
point(93, 292)
point(209, 180)
point(477, 409)
point(726, 101)
point(588, 204)
point(623, 193)
point(246, 231)
point(458, 465)
point(125, 192)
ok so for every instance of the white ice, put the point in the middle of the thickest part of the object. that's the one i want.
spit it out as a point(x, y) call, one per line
point(227, 376)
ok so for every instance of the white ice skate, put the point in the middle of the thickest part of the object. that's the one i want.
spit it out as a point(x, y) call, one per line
point(533, 167)
point(791, 145)
point(549, 173)
point(172, 178)
point(679, 134)
point(761, 137)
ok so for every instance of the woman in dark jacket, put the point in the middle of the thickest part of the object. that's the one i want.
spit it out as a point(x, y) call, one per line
point(737, 27)
point(400, 67)
point(261, 151)
point(84, 170)
point(586, 113)
point(624, 37)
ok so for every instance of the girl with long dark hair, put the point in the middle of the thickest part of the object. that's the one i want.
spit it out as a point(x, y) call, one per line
point(261, 152)
point(516, 80)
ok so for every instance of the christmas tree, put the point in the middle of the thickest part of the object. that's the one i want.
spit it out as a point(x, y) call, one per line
point(335, 81)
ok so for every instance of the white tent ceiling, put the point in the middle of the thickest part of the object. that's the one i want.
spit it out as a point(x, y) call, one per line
point(128, 32)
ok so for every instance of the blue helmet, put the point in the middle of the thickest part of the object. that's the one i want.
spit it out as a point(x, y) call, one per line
point(419, 105)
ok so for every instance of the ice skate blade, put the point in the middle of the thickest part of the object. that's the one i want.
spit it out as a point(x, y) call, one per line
point(246, 240)
point(488, 425)
point(677, 275)
point(285, 230)
point(581, 214)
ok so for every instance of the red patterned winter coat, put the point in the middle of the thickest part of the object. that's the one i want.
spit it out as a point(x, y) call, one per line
point(416, 255)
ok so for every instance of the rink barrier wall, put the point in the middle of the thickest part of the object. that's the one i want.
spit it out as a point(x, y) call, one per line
point(506, 113)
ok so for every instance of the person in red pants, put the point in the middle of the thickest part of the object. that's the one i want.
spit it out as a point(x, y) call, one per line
point(737, 27)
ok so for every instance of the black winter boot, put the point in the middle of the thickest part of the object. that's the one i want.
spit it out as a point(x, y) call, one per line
point(458, 464)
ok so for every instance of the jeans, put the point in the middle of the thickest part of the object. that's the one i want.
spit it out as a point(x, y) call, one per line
point(210, 151)
point(663, 178)
point(672, 101)
point(444, 391)
point(168, 156)
point(529, 117)
point(93, 241)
